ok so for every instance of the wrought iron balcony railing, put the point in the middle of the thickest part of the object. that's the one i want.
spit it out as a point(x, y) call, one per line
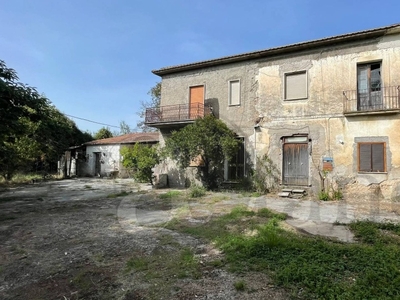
point(176, 113)
point(381, 99)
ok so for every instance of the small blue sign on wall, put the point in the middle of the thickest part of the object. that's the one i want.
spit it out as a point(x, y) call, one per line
point(327, 163)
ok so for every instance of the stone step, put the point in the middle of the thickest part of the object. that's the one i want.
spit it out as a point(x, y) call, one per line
point(284, 194)
point(298, 191)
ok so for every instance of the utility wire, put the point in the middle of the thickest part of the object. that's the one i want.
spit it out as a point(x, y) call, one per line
point(92, 121)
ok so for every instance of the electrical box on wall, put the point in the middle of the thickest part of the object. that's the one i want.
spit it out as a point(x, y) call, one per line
point(327, 164)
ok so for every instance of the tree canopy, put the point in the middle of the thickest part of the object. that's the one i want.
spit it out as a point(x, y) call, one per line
point(103, 133)
point(155, 98)
point(208, 141)
point(33, 133)
point(124, 128)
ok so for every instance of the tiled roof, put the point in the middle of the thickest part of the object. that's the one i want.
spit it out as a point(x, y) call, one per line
point(360, 35)
point(130, 138)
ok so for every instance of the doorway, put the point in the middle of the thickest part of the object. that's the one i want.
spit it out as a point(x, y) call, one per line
point(196, 102)
point(97, 164)
point(295, 169)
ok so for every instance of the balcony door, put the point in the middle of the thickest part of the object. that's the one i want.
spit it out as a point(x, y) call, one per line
point(196, 102)
point(369, 84)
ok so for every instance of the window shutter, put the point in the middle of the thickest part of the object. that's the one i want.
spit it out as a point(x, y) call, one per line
point(378, 155)
point(365, 157)
point(296, 86)
point(234, 92)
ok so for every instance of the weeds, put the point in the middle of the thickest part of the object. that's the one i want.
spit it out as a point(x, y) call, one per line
point(240, 285)
point(170, 194)
point(324, 196)
point(196, 191)
point(251, 194)
point(20, 178)
point(330, 195)
point(164, 268)
point(312, 267)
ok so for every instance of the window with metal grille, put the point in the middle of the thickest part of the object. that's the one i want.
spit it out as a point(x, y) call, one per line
point(371, 157)
point(296, 85)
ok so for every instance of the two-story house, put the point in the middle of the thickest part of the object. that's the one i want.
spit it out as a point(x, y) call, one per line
point(326, 108)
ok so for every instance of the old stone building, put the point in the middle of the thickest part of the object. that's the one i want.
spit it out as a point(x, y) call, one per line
point(324, 112)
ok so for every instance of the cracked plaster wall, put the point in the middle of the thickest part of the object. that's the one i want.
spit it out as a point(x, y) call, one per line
point(330, 71)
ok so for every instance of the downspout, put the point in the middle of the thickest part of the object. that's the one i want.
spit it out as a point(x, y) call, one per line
point(255, 149)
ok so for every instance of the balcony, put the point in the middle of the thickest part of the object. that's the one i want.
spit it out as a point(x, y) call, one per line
point(375, 101)
point(175, 115)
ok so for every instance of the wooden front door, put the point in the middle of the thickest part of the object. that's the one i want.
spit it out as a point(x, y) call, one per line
point(295, 164)
point(196, 102)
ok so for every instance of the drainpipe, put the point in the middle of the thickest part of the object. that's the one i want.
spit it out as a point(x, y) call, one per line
point(255, 144)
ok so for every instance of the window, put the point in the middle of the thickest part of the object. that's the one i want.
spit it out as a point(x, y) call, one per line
point(234, 168)
point(234, 92)
point(371, 157)
point(369, 83)
point(296, 85)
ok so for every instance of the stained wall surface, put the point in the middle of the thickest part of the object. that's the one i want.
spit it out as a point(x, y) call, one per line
point(264, 118)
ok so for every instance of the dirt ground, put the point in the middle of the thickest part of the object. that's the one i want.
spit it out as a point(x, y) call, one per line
point(73, 239)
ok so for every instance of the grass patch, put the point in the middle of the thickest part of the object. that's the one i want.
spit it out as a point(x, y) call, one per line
point(310, 267)
point(240, 285)
point(170, 195)
point(121, 194)
point(83, 280)
point(250, 194)
point(163, 268)
point(21, 178)
point(266, 213)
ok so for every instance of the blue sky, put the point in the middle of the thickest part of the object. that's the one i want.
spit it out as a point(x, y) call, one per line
point(93, 58)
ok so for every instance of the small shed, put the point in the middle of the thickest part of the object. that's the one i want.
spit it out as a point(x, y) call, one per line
point(102, 157)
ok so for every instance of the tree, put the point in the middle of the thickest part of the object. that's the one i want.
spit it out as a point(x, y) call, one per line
point(16, 100)
point(33, 133)
point(124, 128)
point(155, 94)
point(103, 133)
point(209, 141)
point(141, 159)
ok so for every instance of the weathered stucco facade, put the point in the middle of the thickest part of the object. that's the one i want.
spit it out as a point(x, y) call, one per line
point(325, 106)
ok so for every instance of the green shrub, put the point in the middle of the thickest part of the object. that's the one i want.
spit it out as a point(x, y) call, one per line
point(141, 159)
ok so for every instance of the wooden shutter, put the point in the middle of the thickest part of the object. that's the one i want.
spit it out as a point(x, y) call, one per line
point(234, 92)
point(364, 156)
point(371, 157)
point(378, 157)
point(296, 85)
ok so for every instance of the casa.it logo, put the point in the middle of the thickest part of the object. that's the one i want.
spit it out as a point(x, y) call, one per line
point(145, 208)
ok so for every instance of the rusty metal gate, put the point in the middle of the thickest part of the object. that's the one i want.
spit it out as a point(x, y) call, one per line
point(295, 163)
